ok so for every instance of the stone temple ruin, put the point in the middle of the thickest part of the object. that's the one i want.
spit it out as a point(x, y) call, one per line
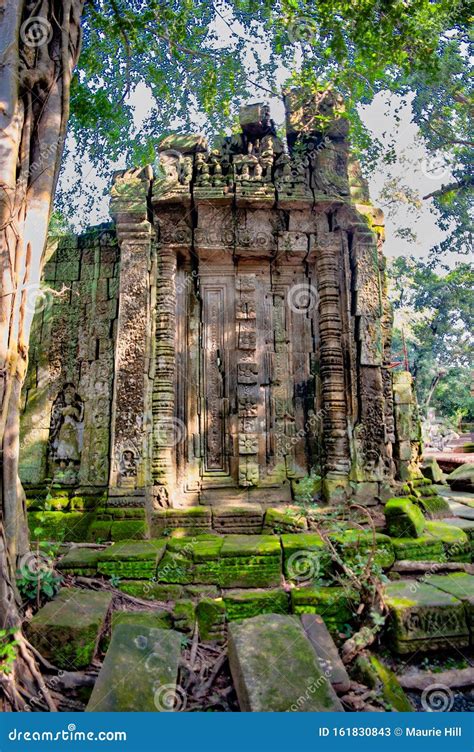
point(227, 338)
point(209, 390)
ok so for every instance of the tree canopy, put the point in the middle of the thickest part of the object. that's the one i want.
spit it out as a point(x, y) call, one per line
point(435, 313)
point(200, 59)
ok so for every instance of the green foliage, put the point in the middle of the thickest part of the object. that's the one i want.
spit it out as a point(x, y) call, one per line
point(200, 60)
point(38, 582)
point(436, 313)
point(7, 650)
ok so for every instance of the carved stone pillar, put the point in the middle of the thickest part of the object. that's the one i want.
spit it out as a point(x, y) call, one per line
point(337, 459)
point(129, 208)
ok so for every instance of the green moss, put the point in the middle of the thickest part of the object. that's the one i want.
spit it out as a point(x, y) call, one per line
point(128, 529)
point(287, 520)
point(210, 615)
point(378, 676)
point(184, 615)
point(334, 604)
point(150, 590)
point(355, 547)
point(159, 619)
point(403, 519)
point(99, 531)
point(425, 548)
point(81, 561)
point(456, 544)
point(244, 604)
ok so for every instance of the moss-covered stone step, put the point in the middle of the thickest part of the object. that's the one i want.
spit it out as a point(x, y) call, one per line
point(232, 561)
point(66, 629)
point(245, 603)
point(131, 559)
point(403, 518)
point(335, 605)
point(423, 617)
point(275, 668)
point(424, 548)
point(140, 671)
point(80, 561)
point(188, 521)
point(456, 544)
point(356, 546)
point(461, 585)
point(305, 557)
point(326, 651)
point(238, 520)
point(433, 506)
point(467, 526)
point(284, 521)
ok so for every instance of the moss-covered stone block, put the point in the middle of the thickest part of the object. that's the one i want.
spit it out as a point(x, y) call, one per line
point(66, 629)
point(157, 619)
point(131, 559)
point(151, 590)
point(461, 585)
point(434, 507)
point(456, 544)
point(376, 675)
point(246, 603)
point(210, 615)
point(305, 557)
point(80, 561)
point(99, 531)
point(184, 615)
point(128, 530)
point(284, 521)
point(140, 671)
point(421, 617)
point(275, 668)
point(425, 548)
point(191, 520)
point(403, 519)
point(355, 547)
point(334, 604)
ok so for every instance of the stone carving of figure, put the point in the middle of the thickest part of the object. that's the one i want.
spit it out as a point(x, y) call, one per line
point(128, 464)
point(65, 436)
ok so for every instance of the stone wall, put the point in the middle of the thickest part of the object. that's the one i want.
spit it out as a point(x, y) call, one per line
point(228, 338)
point(72, 342)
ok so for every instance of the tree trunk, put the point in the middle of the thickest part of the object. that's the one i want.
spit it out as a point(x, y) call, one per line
point(40, 47)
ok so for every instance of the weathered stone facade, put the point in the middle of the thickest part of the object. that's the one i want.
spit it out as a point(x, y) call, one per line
point(228, 337)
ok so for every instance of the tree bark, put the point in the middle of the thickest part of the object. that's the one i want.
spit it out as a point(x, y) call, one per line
point(40, 47)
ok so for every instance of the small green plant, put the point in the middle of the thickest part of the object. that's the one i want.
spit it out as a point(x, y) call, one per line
point(114, 580)
point(36, 578)
point(7, 650)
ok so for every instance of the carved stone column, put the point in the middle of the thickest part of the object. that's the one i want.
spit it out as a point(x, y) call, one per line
point(337, 459)
point(129, 208)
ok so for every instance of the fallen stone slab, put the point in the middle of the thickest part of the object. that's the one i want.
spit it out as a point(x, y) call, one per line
point(284, 521)
point(421, 617)
point(461, 510)
point(65, 630)
point(306, 557)
point(139, 672)
point(456, 543)
point(190, 521)
point(132, 559)
point(376, 675)
point(326, 651)
point(456, 678)
point(275, 668)
point(461, 585)
point(462, 479)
